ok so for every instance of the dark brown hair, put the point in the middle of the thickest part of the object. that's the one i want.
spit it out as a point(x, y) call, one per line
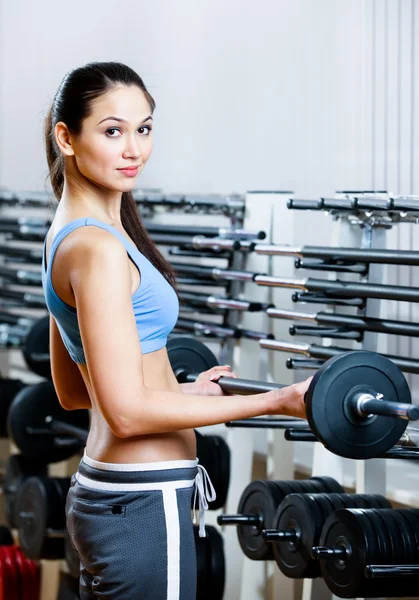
point(71, 105)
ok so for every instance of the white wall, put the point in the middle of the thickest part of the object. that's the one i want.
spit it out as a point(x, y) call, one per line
point(264, 95)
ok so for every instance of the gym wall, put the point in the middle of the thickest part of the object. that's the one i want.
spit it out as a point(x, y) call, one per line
point(249, 95)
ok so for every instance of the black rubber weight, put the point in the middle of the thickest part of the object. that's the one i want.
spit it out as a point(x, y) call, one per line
point(329, 397)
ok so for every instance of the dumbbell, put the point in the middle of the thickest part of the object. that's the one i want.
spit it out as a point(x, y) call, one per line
point(354, 539)
point(258, 505)
point(298, 524)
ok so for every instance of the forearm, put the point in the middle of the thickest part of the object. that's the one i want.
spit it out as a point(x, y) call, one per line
point(190, 388)
point(163, 411)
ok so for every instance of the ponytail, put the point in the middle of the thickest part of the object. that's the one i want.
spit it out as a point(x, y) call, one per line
point(54, 158)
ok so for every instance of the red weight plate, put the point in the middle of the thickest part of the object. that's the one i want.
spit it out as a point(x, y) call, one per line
point(32, 577)
point(35, 579)
point(23, 592)
point(17, 588)
point(27, 584)
point(9, 574)
point(3, 594)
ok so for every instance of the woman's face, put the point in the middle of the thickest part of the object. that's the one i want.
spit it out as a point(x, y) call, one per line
point(116, 139)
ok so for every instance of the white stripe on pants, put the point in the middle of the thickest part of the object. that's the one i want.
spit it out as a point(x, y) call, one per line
point(173, 544)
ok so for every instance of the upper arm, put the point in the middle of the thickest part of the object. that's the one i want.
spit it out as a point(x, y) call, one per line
point(100, 279)
point(68, 381)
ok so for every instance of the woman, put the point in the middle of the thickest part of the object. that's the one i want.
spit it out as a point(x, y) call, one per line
point(112, 302)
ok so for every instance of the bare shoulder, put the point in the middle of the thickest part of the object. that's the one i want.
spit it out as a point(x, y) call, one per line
point(91, 243)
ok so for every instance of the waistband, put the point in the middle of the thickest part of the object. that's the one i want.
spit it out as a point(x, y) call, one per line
point(136, 477)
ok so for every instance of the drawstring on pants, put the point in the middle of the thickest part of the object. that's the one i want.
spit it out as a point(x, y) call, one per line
point(206, 493)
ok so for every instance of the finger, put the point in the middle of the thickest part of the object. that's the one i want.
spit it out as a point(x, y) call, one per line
point(218, 376)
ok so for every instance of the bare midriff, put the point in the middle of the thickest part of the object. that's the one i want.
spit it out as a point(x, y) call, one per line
point(102, 444)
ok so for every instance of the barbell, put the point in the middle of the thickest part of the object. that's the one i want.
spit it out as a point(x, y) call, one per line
point(355, 542)
point(358, 403)
point(257, 508)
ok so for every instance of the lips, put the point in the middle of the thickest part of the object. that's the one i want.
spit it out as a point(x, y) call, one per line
point(131, 171)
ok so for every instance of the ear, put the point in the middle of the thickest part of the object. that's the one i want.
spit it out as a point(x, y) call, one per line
point(63, 139)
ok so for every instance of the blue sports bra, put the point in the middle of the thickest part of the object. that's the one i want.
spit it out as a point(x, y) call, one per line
point(155, 303)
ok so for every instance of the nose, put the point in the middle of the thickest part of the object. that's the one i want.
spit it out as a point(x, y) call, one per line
point(133, 147)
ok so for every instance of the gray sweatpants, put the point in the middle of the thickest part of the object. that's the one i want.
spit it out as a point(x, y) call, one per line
point(131, 527)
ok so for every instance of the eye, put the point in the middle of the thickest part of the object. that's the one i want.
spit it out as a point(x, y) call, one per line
point(111, 129)
point(146, 127)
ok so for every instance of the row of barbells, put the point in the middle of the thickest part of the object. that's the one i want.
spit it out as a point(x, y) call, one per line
point(358, 543)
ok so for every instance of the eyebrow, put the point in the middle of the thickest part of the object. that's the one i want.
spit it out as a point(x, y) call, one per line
point(122, 120)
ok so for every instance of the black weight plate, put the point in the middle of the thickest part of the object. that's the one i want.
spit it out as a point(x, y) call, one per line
point(210, 564)
point(407, 538)
point(383, 501)
point(298, 487)
point(394, 532)
point(342, 501)
point(328, 484)
point(6, 538)
point(284, 487)
point(301, 513)
point(343, 528)
point(189, 356)
point(370, 586)
point(217, 563)
point(29, 410)
point(413, 518)
point(400, 542)
point(17, 469)
point(223, 472)
point(214, 454)
point(325, 505)
point(309, 486)
point(54, 490)
point(327, 401)
point(383, 536)
point(202, 563)
point(38, 508)
point(37, 342)
point(371, 501)
point(262, 498)
point(9, 388)
point(71, 557)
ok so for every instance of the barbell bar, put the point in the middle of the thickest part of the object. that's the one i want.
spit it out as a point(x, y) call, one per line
point(219, 302)
point(203, 272)
point(362, 255)
point(409, 365)
point(21, 255)
point(353, 322)
point(338, 267)
point(351, 289)
point(223, 232)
